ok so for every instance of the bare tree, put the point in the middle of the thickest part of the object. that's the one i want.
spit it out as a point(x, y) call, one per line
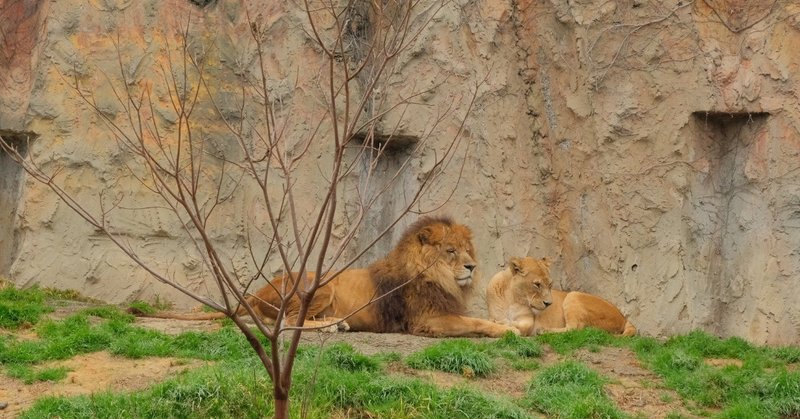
point(171, 154)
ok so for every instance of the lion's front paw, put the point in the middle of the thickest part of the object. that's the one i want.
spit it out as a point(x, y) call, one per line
point(331, 328)
point(343, 326)
point(340, 326)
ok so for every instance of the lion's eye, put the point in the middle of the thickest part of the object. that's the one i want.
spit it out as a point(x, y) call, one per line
point(537, 284)
point(451, 250)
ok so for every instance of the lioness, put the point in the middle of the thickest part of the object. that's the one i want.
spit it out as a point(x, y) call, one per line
point(420, 287)
point(521, 296)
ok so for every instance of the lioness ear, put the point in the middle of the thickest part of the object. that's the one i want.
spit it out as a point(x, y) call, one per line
point(544, 263)
point(515, 264)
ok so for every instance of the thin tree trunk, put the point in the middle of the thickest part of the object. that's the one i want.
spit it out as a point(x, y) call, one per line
point(281, 405)
point(171, 160)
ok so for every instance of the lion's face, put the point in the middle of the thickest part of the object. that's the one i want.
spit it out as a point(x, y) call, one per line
point(449, 250)
point(531, 282)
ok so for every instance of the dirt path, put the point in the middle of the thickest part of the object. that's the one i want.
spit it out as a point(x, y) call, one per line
point(635, 390)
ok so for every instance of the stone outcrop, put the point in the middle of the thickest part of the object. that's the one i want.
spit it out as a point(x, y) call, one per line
point(650, 149)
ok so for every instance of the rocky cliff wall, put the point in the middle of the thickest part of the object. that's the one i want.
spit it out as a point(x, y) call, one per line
point(647, 148)
point(672, 131)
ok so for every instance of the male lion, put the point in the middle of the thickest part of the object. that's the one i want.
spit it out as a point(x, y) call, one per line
point(420, 287)
point(521, 296)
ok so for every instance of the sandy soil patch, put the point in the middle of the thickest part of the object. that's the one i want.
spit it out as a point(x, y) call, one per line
point(91, 373)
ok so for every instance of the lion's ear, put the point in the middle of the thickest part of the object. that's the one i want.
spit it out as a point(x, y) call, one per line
point(425, 235)
point(515, 264)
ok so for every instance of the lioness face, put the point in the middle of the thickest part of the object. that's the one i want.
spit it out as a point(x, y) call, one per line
point(531, 282)
point(453, 246)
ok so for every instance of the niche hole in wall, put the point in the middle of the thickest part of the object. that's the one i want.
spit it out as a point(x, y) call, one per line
point(727, 204)
point(202, 3)
point(390, 144)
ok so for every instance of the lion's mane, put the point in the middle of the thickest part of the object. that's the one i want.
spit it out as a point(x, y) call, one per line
point(423, 279)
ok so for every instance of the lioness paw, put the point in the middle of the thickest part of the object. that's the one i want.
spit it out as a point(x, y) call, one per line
point(505, 329)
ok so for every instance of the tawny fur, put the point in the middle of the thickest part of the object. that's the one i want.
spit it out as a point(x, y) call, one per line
point(522, 296)
point(431, 271)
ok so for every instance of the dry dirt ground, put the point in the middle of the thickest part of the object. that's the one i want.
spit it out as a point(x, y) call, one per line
point(635, 390)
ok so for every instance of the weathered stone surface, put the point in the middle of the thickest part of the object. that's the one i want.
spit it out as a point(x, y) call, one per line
point(650, 149)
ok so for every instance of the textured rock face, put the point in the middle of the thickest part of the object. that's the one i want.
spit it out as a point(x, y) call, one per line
point(671, 131)
point(648, 148)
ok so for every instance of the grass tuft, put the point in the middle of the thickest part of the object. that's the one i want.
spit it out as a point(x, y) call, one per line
point(30, 375)
point(521, 353)
point(571, 390)
point(139, 306)
point(458, 356)
point(567, 342)
point(519, 346)
point(72, 295)
point(108, 312)
point(787, 354)
point(474, 359)
point(21, 308)
point(342, 355)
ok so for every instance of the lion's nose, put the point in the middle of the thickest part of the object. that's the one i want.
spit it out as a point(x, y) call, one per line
point(470, 266)
point(547, 303)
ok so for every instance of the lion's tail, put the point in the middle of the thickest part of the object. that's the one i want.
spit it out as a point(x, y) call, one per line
point(190, 316)
point(630, 329)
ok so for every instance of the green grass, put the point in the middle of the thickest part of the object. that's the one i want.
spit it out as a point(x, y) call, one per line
point(54, 295)
point(158, 305)
point(459, 356)
point(30, 375)
point(761, 387)
point(787, 354)
point(336, 386)
point(333, 379)
point(338, 380)
point(77, 335)
point(353, 383)
point(476, 359)
point(142, 307)
point(343, 356)
point(520, 353)
point(102, 328)
point(107, 312)
point(589, 338)
point(513, 346)
point(227, 390)
point(571, 390)
point(22, 307)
